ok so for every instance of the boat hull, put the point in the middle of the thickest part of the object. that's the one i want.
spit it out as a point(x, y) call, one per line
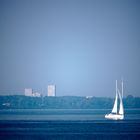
point(114, 116)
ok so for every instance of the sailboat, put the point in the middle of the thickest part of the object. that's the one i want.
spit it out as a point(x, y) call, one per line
point(117, 114)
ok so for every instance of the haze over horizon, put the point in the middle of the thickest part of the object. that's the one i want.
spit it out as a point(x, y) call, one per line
point(81, 46)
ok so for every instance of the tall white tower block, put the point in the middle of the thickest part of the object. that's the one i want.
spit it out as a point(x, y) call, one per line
point(28, 91)
point(51, 90)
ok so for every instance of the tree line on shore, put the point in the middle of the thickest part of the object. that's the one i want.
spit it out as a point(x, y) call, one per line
point(64, 102)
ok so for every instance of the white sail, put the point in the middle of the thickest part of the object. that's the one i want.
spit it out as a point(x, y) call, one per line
point(114, 110)
point(121, 110)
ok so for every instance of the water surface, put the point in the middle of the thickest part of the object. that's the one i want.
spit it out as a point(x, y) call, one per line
point(67, 124)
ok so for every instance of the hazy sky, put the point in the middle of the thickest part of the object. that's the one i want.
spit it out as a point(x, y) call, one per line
point(81, 46)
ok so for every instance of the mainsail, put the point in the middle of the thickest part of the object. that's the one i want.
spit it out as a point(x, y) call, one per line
point(114, 110)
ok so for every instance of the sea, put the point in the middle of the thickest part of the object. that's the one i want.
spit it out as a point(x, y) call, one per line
point(67, 124)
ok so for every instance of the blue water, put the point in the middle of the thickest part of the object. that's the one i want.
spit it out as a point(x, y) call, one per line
point(67, 125)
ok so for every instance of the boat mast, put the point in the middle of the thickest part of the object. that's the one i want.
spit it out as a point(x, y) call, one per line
point(122, 88)
point(116, 87)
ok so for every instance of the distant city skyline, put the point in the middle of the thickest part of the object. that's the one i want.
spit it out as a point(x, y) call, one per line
point(81, 46)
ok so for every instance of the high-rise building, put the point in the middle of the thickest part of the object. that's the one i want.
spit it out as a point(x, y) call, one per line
point(28, 91)
point(51, 90)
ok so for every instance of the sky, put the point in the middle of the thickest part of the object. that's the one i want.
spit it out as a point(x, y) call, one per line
point(81, 46)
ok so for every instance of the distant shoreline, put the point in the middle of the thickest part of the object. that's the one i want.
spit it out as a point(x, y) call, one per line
point(64, 102)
